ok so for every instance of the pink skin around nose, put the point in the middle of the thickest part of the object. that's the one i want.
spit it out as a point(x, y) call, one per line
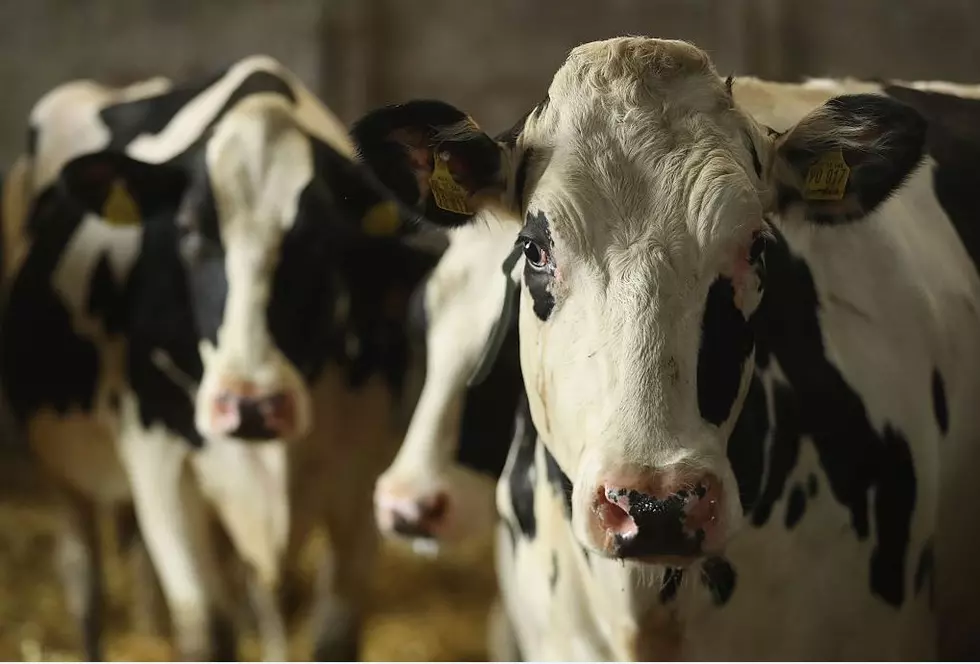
point(409, 514)
point(663, 517)
point(276, 410)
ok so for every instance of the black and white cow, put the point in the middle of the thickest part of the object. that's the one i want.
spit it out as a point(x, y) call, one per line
point(205, 306)
point(462, 421)
point(751, 362)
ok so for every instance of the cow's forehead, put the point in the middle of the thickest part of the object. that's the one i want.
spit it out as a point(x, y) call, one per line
point(259, 160)
point(639, 142)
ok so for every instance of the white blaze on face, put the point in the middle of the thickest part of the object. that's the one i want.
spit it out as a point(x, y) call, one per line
point(647, 196)
point(259, 162)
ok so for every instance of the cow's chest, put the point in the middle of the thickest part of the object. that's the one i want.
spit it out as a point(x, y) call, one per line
point(778, 592)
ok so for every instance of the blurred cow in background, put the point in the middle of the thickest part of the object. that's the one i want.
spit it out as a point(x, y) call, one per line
point(205, 311)
point(463, 418)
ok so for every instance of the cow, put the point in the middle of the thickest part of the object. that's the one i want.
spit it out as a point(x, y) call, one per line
point(462, 421)
point(204, 314)
point(749, 358)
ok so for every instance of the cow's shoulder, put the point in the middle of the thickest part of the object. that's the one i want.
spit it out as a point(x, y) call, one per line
point(953, 142)
point(818, 433)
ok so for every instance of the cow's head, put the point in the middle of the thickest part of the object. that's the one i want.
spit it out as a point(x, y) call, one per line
point(272, 225)
point(644, 196)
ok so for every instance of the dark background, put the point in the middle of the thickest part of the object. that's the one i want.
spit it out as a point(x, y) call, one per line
point(493, 58)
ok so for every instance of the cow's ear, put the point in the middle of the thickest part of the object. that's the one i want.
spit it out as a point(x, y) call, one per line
point(845, 158)
point(435, 159)
point(120, 189)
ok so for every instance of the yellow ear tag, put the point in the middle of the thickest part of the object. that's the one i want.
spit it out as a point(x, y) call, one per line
point(827, 178)
point(448, 194)
point(381, 219)
point(120, 209)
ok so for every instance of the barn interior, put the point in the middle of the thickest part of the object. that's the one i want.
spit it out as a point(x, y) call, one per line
point(493, 57)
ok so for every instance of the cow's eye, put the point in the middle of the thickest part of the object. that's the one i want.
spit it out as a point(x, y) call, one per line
point(535, 255)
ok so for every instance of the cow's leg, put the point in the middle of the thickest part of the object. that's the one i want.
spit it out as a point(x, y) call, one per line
point(343, 581)
point(173, 519)
point(79, 563)
point(273, 633)
point(149, 608)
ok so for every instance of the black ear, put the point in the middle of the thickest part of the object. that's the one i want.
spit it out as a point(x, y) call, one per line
point(845, 158)
point(435, 159)
point(360, 197)
point(120, 189)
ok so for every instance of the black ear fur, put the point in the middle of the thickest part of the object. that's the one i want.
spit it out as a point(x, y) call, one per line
point(880, 140)
point(153, 188)
point(400, 142)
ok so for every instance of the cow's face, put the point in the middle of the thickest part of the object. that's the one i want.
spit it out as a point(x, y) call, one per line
point(266, 225)
point(643, 196)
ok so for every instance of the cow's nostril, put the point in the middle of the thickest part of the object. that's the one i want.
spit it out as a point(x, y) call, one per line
point(225, 403)
point(434, 509)
point(613, 511)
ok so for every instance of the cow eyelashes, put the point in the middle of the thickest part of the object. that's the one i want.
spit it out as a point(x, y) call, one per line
point(536, 256)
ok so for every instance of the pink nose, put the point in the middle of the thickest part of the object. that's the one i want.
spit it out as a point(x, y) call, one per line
point(661, 516)
point(420, 517)
point(243, 413)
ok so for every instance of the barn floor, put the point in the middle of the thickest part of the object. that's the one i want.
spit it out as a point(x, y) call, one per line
point(422, 610)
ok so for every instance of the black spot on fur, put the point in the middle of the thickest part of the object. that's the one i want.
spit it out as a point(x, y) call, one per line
point(520, 179)
point(795, 507)
point(160, 318)
point(560, 481)
point(811, 485)
point(783, 453)
point(718, 576)
point(553, 577)
point(924, 572)
point(105, 298)
point(487, 422)
point(31, 141)
point(670, 584)
point(953, 141)
point(520, 481)
point(939, 402)
point(151, 115)
point(746, 445)
point(756, 164)
point(43, 363)
point(726, 343)
point(817, 401)
point(536, 230)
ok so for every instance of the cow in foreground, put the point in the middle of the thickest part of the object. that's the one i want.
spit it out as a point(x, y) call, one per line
point(750, 359)
point(205, 311)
